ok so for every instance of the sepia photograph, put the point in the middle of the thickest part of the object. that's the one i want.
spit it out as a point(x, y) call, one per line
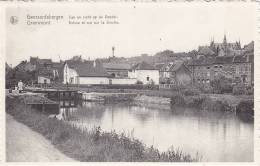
point(130, 82)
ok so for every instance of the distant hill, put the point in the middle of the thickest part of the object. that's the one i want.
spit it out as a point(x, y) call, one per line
point(159, 57)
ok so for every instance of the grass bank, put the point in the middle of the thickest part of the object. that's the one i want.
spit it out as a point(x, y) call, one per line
point(94, 145)
point(216, 103)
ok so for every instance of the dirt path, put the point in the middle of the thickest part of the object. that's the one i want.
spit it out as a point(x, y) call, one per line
point(23, 144)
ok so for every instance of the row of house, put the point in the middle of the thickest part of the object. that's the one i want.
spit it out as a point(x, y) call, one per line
point(94, 72)
point(200, 70)
point(238, 68)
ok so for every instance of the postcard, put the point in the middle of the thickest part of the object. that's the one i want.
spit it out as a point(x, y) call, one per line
point(130, 82)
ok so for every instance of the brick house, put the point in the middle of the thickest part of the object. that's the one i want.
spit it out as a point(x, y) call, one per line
point(238, 68)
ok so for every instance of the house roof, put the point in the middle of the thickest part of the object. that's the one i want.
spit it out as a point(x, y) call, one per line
point(159, 66)
point(88, 68)
point(45, 72)
point(57, 65)
point(243, 59)
point(172, 66)
point(203, 61)
point(143, 66)
point(204, 50)
point(44, 61)
point(249, 47)
point(117, 66)
point(224, 59)
point(176, 66)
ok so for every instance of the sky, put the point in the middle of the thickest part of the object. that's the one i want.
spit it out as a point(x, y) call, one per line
point(142, 28)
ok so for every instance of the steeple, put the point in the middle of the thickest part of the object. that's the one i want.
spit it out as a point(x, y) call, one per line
point(212, 42)
point(239, 44)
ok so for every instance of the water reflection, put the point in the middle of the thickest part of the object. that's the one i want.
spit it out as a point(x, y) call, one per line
point(216, 136)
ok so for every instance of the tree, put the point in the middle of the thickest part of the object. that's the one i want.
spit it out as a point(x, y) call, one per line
point(222, 85)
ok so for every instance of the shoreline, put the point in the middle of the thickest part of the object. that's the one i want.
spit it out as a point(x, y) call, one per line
point(94, 145)
point(203, 101)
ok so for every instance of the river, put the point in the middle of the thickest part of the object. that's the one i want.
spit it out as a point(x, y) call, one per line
point(216, 136)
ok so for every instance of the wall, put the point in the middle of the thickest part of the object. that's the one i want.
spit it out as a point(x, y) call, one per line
point(228, 70)
point(131, 74)
point(41, 80)
point(93, 80)
point(244, 69)
point(69, 75)
point(124, 81)
point(118, 73)
point(141, 75)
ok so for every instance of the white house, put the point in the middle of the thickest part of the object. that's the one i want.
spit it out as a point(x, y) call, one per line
point(145, 73)
point(43, 80)
point(88, 72)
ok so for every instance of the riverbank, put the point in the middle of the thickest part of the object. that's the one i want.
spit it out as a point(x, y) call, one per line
point(208, 102)
point(183, 98)
point(242, 104)
point(94, 145)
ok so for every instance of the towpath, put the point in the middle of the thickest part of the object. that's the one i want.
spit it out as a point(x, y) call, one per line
point(23, 144)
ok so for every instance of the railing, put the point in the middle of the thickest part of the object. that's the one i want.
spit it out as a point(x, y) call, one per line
point(167, 86)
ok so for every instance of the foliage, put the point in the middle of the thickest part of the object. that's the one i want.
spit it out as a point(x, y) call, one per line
point(249, 90)
point(246, 106)
point(239, 89)
point(139, 82)
point(191, 91)
point(221, 85)
point(206, 88)
point(178, 100)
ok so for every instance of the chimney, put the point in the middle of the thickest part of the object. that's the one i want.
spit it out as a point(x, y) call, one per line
point(113, 51)
point(94, 63)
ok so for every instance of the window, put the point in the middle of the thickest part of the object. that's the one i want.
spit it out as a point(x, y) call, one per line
point(215, 66)
point(246, 68)
point(208, 67)
point(220, 66)
point(147, 78)
point(208, 73)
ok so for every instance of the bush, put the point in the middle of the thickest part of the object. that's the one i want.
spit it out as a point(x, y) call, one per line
point(177, 100)
point(196, 101)
point(191, 91)
point(239, 90)
point(246, 106)
point(222, 85)
point(139, 82)
point(249, 90)
point(206, 89)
